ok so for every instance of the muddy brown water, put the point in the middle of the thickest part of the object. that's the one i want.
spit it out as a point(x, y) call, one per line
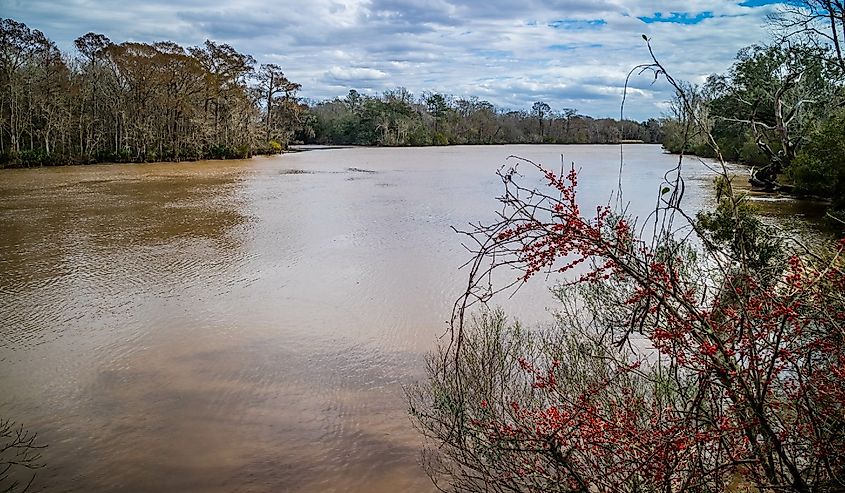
point(249, 325)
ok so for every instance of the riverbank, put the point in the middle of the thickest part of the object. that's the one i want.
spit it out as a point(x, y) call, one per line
point(38, 160)
point(492, 144)
point(30, 163)
point(805, 179)
point(813, 207)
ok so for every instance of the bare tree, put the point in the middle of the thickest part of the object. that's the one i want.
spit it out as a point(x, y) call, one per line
point(19, 457)
point(272, 81)
point(821, 22)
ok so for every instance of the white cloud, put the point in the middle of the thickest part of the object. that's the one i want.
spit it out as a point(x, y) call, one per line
point(354, 74)
point(507, 52)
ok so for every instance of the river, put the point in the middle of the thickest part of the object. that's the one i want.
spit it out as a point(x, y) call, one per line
point(249, 325)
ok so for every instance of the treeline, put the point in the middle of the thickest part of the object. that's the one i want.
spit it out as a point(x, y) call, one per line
point(780, 107)
point(398, 118)
point(137, 101)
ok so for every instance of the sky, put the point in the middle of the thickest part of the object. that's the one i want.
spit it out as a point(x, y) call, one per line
point(568, 53)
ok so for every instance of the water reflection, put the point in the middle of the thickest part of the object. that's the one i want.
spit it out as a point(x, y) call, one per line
point(799, 218)
point(84, 248)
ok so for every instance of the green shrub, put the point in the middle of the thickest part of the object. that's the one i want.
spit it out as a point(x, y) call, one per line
point(33, 158)
point(440, 139)
point(733, 227)
point(750, 153)
point(819, 168)
point(240, 152)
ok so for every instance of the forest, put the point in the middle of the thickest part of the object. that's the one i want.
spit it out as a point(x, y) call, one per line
point(397, 118)
point(137, 102)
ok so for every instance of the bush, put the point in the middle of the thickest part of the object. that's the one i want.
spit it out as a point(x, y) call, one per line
point(733, 229)
point(440, 139)
point(32, 158)
point(819, 168)
point(242, 151)
point(751, 154)
point(217, 152)
point(674, 365)
point(418, 136)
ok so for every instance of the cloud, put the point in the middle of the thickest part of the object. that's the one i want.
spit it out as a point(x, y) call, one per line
point(342, 74)
point(571, 53)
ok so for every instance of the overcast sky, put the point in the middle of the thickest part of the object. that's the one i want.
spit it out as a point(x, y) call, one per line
point(569, 53)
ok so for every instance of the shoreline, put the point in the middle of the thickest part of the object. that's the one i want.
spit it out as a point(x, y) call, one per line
point(112, 163)
point(321, 147)
point(757, 192)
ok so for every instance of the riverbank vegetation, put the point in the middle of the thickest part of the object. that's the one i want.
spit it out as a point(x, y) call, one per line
point(398, 118)
point(132, 102)
point(690, 352)
point(780, 107)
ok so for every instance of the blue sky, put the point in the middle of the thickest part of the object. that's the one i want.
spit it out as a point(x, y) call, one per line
point(569, 53)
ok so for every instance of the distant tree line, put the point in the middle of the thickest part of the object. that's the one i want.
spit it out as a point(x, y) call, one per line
point(398, 118)
point(780, 107)
point(136, 101)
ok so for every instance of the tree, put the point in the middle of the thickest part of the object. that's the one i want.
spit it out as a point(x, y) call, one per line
point(820, 22)
point(92, 47)
point(290, 112)
point(777, 92)
point(568, 115)
point(540, 110)
point(226, 105)
point(272, 81)
point(437, 107)
point(19, 46)
point(819, 169)
point(353, 101)
point(762, 111)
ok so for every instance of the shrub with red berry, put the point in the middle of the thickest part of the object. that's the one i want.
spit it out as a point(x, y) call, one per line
point(706, 357)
